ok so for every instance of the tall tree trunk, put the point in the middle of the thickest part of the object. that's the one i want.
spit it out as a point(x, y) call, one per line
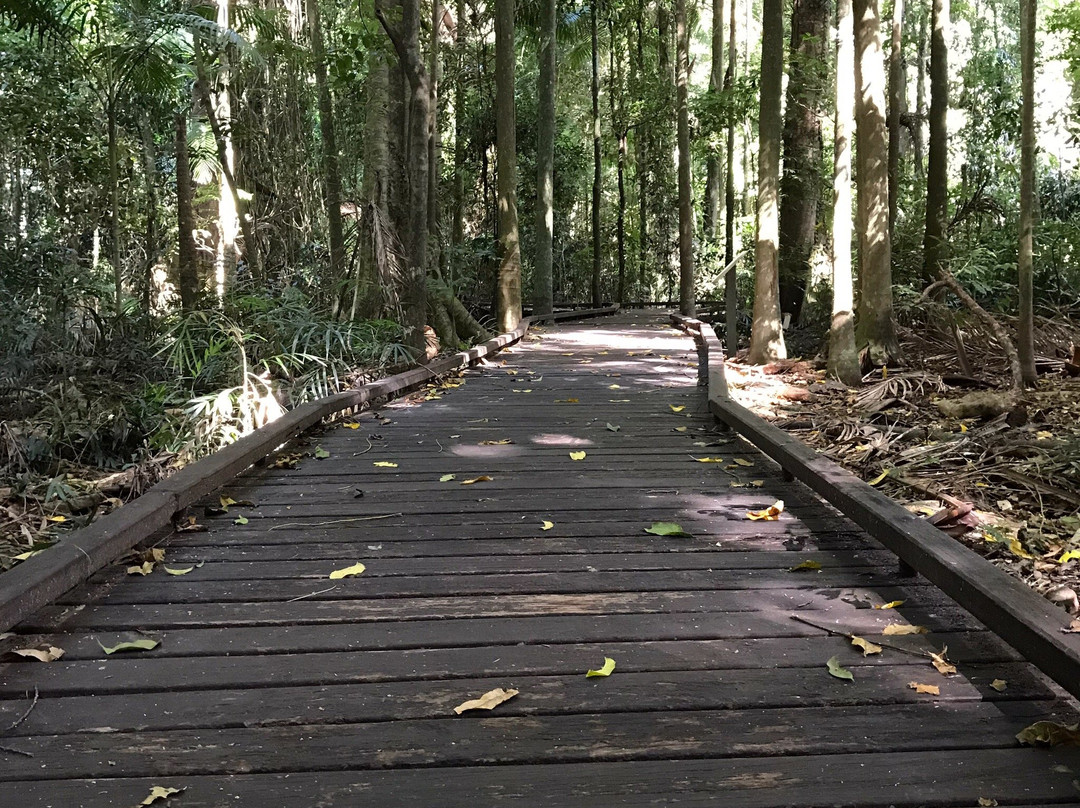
point(114, 209)
point(1026, 325)
point(150, 178)
point(876, 326)
point(545, 162)
point(618, 125)
point(228, 200)
point(937, 172)
point(596, 158)
point(767, 336)
point(731, 288)
point(800, 188)
point(187, 269)
point(662, 127)
point(843, 354)
point(687, 304)
point(897, 88)
point(367, 299)
point(509, 293)
point(331, 172)
point(641, 146)
point(920, 96)
point(434, 242)
point(457, 233)
point(710, 213)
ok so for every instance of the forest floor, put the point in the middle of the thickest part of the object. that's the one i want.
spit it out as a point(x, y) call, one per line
point(1005, 482)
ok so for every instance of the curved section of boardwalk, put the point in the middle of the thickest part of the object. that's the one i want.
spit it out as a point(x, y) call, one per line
point(276, 686)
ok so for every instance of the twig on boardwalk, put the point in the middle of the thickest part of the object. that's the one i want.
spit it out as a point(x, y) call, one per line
point(335, 521)
point(16, 751)
point(368, 449)
point(25, 715)
point(313, 594)
point(850, 636)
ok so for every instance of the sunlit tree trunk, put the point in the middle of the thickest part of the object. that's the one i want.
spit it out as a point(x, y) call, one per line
point(150, 177)
point(618, 125)
point(876, 326)
point(800, 188)
point(843, 354)
point(937, 173)
point(897, 88)
point(434, 156)
point(545, 162)
point(767, 336)
point(457, 234)
point(596, 256)
point(641, 145)
point(1026, 326)
point(687, 304)
point(713, 174)
point(114, 207)
point(367, 299)
point(920, 97)
point(731, 289)
point(228, 202)
point(509, 289)
point(187, 269)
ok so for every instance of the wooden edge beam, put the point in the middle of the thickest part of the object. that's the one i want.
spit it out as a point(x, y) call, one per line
point(43, 578)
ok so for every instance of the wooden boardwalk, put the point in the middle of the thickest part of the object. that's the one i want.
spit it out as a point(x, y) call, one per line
point(275, 686)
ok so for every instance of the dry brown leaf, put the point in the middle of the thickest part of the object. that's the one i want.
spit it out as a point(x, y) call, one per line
point(986, 802)
point(503, 442)
point(142, 569)
point(999, 685)
point(483, 478)
point(493, 698)
point(932, 690)
point(770, 514)
point(897, 629)
point(867, 647)
point(942, 665)
point(50, 654)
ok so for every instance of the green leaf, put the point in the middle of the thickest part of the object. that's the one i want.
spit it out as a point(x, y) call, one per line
point(839, 672)
point(447, 478)
point(806, 565)
point(666, 529)
point(613, 428)
point(134, 645)
point(183, 571)
point(1049, 733)
point(240, 520)
point(605, 670)
point(320, 453)
point(347, 572)
point(160, 793)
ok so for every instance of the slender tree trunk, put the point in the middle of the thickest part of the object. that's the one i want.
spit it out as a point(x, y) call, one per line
point(731, 288)
point(843, 354)
point(150, 177)
point(876, 326)
point(920, 97)
point(509, 294)
point(937, 173)
point(710, 213)
point(641, 143)
point(596, 158)
point(1026, 325)
point(228, 201)
point(434, 242)
point(767, 336)
point(662, 127)
point(331, 172)
point(114, 209)
point(457, 236)
point(897, 88)
point(367, 297)
point(687, 304)
point(545, 162)
point(187, 268)
point(800, 188)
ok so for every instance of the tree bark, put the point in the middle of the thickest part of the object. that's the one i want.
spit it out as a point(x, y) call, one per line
point(937, 173)
point(1026, 260)
point(710, 213)
point(897, 88)
point(114, 209)
point(545, 162)
point(687, 304)
point(641, 145)
point(367, 294)
point(767, 336)
point(150, 177)
point(595, 285)
point(618, 125)
point(876, 326)
point(509, 289)
point(457, 233)
point(843, 354)
point(187, 270)
point(331, 172)
point(800, 188)
point(434, 242)
point(731, 288)
point(920, 97)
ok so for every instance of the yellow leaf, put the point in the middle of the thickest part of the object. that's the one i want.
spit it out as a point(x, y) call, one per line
point(577, 455)
point(806, 565)
point(677, 409)
point(50, 654)
point(26, 555)
point(142, 569)
point(547, 525)
point(757, 483)
point(566, 401)
point(56, 518)
point(503, 442)
point(680, 429)
point(932, 690)
point(867, 647)
point(897, 629)
point(1017, 549)
point(159, 793)
point(524, 391)
point(135, 645)
point(385, 464)
point(178, 571)
point(742, 461)
point(999, 685)
point(614, 387)
point(1049, 733)
point(986, 802)
point(226, 502)
point(892, 604)
point(880, 477)
point(351, 425)
point(493, 698)
point(941, 664)
point(1042, 434)
point(708, 459)
point(1068, 556)
point(605, 670)
point(347, 572)
point(770, 514)
point(963, 427)
point(483, 478)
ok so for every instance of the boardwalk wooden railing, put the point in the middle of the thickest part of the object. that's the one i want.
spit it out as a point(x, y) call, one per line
point(42, 578)
point(1008, 607)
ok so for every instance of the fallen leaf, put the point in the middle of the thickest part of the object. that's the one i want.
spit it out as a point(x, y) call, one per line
point(677, 409)
point(879, 478)
point(897, 629)
point(986, 802)
point(177, 571)
point(1072, 628)
point(1068, 556)
point(142, 569)
point(566, 401)
point(932, 690)
point(605, 669)
point(1049, 733)
point(839, 672)
point(577, 455)
point(320, 453)
point(709, 459)
point(523, 391)
point(50, 654)
point(944, 667)
point(1017, 549)
point(892, 604)
point(613, 428)
point(134, 645)
point(666, 529)
point(385, 464)
point(680, 429)
point(483, 478)
point(351, 425)
point(26, 555)
point(226, 502)
point(757, 483)
point(547, 525)
point(347, 572)
point(999, 685)
point(159, 793)
point(742, 461)
point(56, 518)
point(240, 520)
point(503, 442)
point(770, 514)
point(614, 387)
point(493, 698)
point(867, 647)
point(806, 565)
point(447, 478)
